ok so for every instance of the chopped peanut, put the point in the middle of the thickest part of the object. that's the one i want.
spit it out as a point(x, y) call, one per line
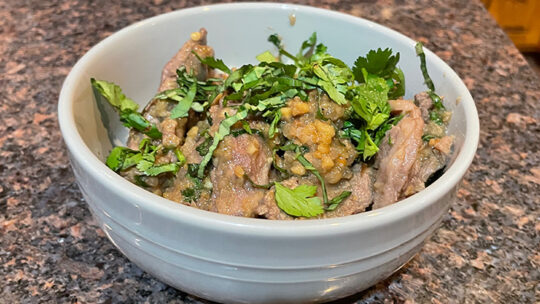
point(326, 162)
point(286, 113)
point(298, 107)
point(195, 36)
point(168, 128)
point(253, 147)
point(193, 132)
point(239, 171)
point(170, 140)
point(298, 169)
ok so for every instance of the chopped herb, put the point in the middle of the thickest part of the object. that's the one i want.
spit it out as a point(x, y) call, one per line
point(239, 132)
point(125, 106)
point(180, 157)
point(214, 63)
point(255, 185)
point(420, 53)
point(223, 130)
point(334, 203)
point(192, 170)
point(204, 147)
point(266, 57)
point(300, 201)
point(315, 172)
point(117, 158)
point(184, 104)
point(190, 195)
point(380, 63)
point(273, 126)
point(437, 103)
point(435, 116)
point(122, 158)
point(428, 137)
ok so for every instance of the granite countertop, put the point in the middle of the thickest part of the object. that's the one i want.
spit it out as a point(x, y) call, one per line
point(51, 250)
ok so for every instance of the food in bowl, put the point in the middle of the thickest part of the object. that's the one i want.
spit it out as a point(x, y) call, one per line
point(306, 138)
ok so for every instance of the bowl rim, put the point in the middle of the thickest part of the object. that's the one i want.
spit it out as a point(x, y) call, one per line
point(150, 202)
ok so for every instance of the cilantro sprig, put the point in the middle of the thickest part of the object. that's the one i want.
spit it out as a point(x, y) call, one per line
point(126, 107)
point(122, 158)
point(300, 201)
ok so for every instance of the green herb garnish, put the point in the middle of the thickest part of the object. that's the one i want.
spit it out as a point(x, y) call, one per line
point(122, 158)
point(334, 203)
point(126, 107)
point(437, 102)
point(223, 130)
point(300, 201)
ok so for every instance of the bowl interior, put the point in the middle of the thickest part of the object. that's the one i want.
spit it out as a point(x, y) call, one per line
point(133, 58)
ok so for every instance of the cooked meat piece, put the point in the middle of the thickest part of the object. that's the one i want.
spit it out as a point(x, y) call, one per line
point(269, 209)
point(185, 57)
point(424, 102)
point(217, 114)
point(236, 158)
point(192, 141)
point(168, 129)
point(361, 187)
point(158, 110)
point(398, 152)
point(443, 145)
point(427, 162)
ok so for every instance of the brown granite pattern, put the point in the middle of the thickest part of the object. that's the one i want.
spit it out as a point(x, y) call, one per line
point(51, 250)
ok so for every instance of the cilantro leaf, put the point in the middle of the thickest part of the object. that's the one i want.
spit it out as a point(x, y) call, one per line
point(380, 63)
point(299, 201)
point(214, 63)
point(113, 94)
point(273, 126)
point(136, 121)
point(275, 40)
point(266, 57)
point(117, 157)
point(157, 170)
point(370, 101)
point(183, 106)
point(122, 158)
point(125, 106)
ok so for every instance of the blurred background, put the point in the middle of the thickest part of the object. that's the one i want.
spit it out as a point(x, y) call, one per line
point(520, 19)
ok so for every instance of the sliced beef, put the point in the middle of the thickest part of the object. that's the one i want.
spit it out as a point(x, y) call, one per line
point(269, 209)
point(424, 102)
point(236, 160)
point(189, 148)
point(185, 57)
point(158, 110)
point(361, 197)
point(427, 162)
point(431, 158)
point(398, 152)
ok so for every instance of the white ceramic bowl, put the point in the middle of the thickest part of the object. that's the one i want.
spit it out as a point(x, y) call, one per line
point(234, 259)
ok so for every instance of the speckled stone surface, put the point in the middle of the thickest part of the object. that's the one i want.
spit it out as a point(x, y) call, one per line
point(487, 249)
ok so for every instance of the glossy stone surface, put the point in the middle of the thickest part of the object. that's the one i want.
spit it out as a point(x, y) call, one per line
point(52, 251)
